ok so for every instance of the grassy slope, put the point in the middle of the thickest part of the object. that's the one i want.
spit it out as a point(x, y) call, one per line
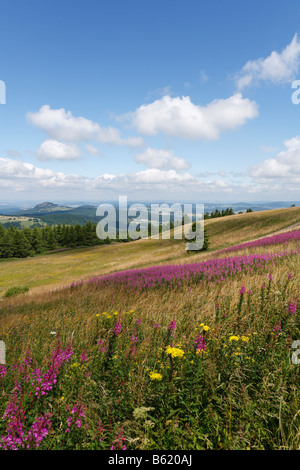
point(237, 402)
point(59, 269)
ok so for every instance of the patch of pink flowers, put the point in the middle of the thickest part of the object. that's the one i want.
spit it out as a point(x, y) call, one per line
point(200, 344)
point(273, 240)
point(213, 270)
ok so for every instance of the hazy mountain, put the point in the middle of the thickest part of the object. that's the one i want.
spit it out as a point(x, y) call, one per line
point(53, 214)
point(43, 208)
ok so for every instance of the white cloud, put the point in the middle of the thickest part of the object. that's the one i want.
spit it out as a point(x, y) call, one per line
point(277, 68)
point(22, 176)
point(162, 159)
point(179, 117)
point(156, 176)
point(30, 181)
point(285, 166)
point(60, 124)
point(54, 150)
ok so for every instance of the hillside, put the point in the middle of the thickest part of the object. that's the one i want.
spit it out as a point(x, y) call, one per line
point(178, 355)
point(61, 268)
point(20, 221)
point(43, 208)
point(53, 214)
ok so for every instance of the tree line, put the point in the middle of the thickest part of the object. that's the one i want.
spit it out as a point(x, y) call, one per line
point(16, 242)
point(21, 243)
point(216, 213)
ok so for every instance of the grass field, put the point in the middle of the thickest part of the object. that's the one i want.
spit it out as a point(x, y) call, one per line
point(59, 269)
point(184, 357)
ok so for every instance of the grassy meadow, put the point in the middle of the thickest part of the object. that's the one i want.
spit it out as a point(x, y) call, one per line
point(198, 355)
point(59, 269)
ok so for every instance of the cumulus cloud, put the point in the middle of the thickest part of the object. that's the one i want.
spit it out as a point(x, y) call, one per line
point(17, 175)
point(277, 68)
point(285, 166)
point(155, 176)
point(161, 159)
point(61, 125)
point(54, 150)
point(179, 117)
point(21, 177)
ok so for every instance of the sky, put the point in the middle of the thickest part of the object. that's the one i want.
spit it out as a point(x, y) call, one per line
point(179, 100)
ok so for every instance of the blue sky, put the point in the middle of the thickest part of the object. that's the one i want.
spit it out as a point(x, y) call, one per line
point(179, 100)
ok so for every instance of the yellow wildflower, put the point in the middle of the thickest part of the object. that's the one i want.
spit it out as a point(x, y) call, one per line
point(75, 364)
point(245, 338)
point(174, 352)
point(234, 338)
point(155, 376)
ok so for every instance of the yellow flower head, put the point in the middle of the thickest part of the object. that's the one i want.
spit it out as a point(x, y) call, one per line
point(245, 338)
point(75, 364)
point(234, 338)
point(155, 376)
point(174, 352)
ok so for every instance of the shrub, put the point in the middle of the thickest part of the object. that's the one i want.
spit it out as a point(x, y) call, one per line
point(16, 291)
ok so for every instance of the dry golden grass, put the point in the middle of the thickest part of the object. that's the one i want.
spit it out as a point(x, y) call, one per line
point(63, 301)
point(244, 227)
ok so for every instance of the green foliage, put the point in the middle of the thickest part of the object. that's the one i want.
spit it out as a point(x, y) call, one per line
point(16, 291)
point(20, 243)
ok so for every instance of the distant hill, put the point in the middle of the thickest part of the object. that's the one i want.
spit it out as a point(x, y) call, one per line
point(43, 208)
point(54, 214)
